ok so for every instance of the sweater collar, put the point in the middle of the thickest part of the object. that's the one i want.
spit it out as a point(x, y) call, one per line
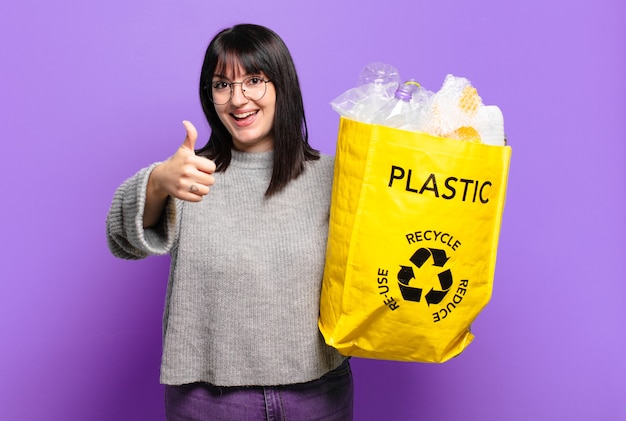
point(252, 159)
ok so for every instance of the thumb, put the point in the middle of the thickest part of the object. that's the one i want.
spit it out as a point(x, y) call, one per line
point(192, 135)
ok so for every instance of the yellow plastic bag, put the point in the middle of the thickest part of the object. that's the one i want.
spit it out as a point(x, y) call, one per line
point(413, 235)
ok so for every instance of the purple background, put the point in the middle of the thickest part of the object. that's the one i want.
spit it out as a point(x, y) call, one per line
point(92, 91)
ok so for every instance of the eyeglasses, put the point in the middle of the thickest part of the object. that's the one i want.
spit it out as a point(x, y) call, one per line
point(252, 87)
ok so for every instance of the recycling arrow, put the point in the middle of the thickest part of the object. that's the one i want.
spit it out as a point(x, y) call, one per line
point(436, 296)
point(422, 255)
point(404, 277)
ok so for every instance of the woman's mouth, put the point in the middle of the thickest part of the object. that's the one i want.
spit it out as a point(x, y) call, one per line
point(243, 116)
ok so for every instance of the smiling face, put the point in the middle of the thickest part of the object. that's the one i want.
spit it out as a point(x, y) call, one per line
point(250, 123)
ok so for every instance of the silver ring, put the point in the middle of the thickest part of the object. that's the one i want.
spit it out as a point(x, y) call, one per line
point(193, 188)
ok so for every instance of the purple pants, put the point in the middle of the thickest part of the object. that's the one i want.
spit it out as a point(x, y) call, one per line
point(329, 398)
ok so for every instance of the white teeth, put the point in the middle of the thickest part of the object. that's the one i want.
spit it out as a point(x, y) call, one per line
point(244, 115)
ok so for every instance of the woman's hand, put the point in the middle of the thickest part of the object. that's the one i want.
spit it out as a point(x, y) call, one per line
point(184, 176)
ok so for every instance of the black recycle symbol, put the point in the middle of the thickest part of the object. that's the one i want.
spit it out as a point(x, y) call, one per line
point(419, 258)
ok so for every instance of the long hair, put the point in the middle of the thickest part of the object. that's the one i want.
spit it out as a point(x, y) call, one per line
point(258, 49)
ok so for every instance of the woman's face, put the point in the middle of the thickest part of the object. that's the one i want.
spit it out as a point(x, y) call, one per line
point(250, 123)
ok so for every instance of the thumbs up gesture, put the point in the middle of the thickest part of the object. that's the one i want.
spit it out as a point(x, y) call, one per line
point(184, 175)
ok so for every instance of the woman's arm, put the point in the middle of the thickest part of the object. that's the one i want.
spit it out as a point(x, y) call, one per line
point(142, 217)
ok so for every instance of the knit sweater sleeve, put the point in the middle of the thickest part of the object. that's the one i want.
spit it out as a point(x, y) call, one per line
point(126, 236)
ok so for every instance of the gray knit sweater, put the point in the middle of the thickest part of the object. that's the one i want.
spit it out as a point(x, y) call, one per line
point(243, 295)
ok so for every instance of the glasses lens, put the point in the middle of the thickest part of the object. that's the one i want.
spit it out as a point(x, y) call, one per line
point(254, 88)
point(220, 92)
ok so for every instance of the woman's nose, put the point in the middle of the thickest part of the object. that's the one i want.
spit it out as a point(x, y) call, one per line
point(237, 97)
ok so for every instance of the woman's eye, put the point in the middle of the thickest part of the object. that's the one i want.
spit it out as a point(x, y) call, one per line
point(220, 85)
point(254, 81)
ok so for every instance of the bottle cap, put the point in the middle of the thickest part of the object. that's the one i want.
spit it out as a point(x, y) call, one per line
point(405, 92)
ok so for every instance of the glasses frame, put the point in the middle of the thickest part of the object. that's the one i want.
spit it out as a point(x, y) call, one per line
point(209, 89)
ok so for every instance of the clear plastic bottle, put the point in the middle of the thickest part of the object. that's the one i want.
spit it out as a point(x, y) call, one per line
point(421, 97)
point(421, 100)
point(489, 123)
point(377, 83)
point(399, 112)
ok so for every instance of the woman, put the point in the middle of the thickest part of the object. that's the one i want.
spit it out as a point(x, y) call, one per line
point(245, 222)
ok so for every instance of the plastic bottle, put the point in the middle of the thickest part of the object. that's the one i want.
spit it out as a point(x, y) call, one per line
point(399, 111)
point(421, 103)
point(421, 97)
point(377, 83)
point(489, 122)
